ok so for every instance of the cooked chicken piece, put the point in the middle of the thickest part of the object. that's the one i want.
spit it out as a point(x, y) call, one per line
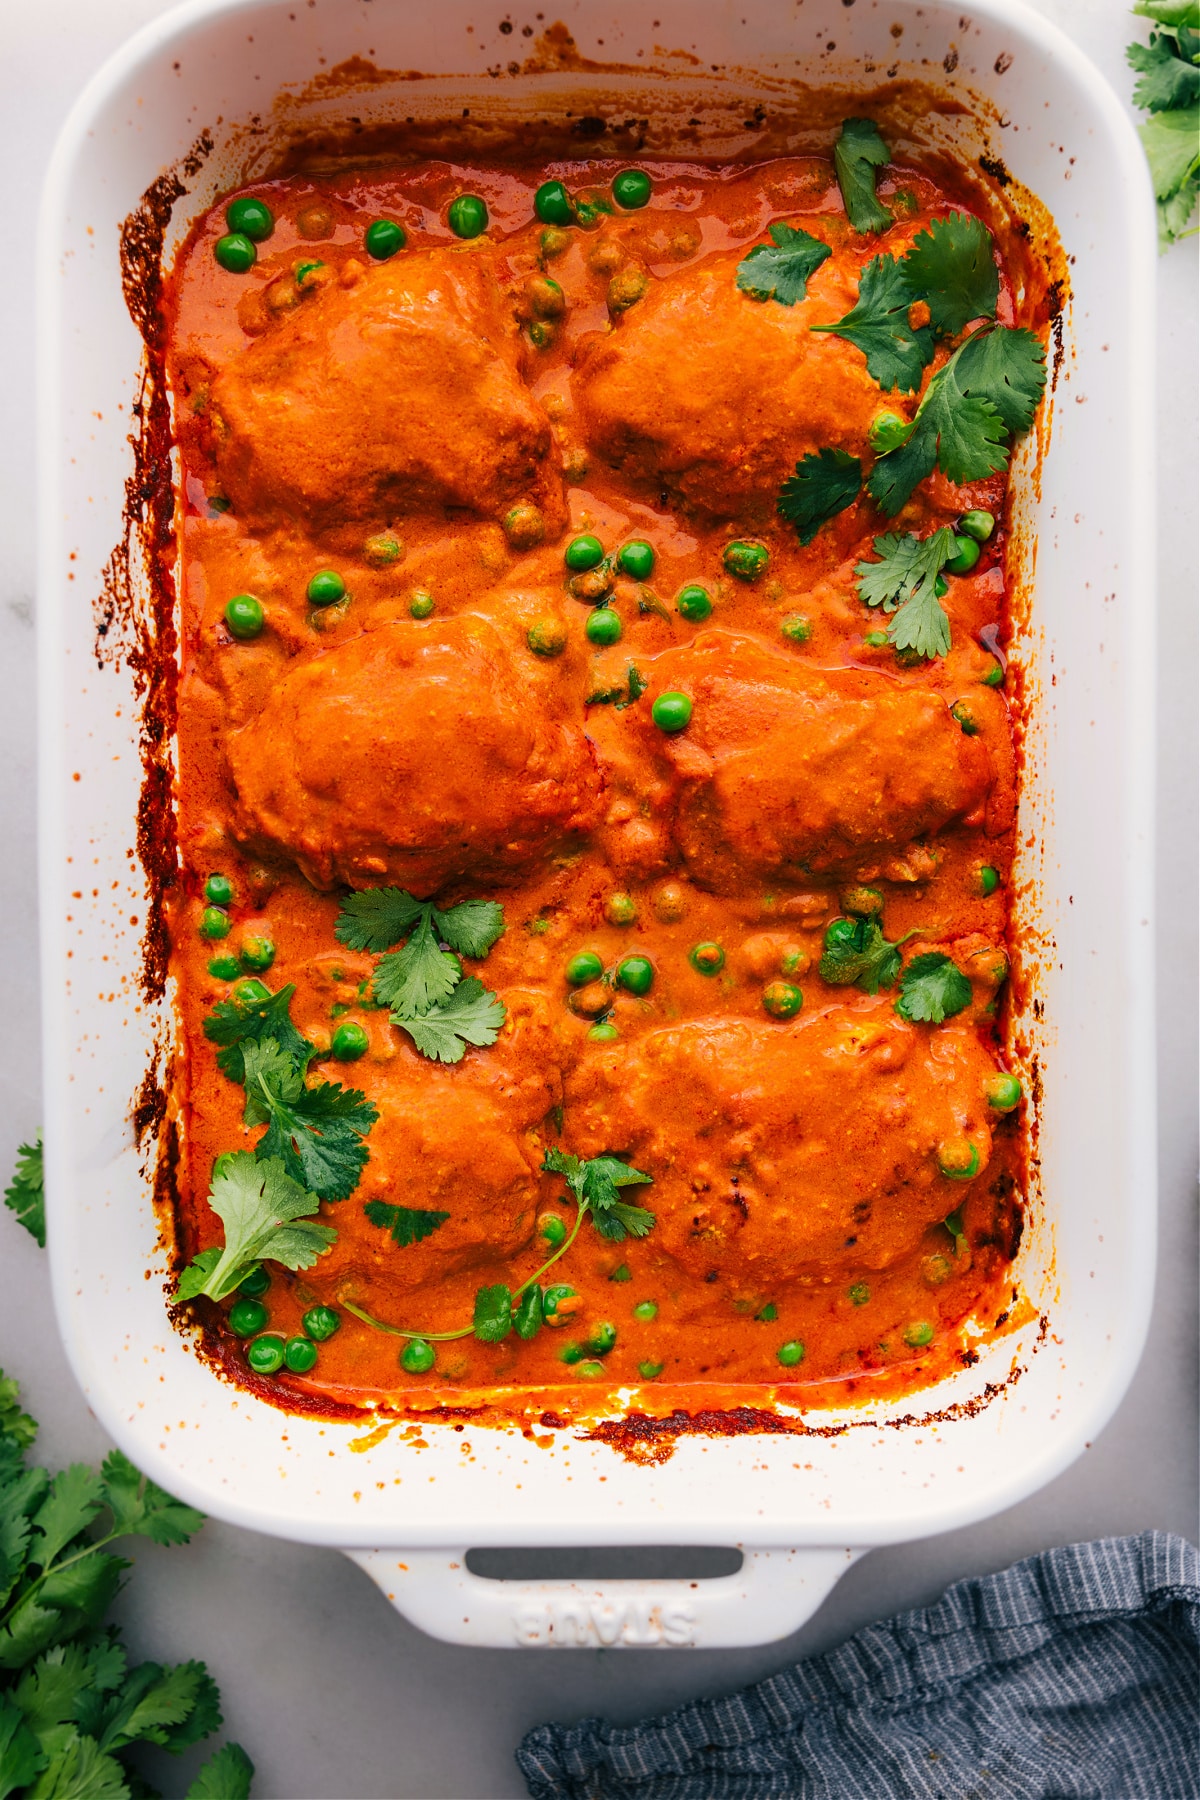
point(779, 1151)
point(400, 394)
point(785, 770)
point(414, 754)
point(714, 396)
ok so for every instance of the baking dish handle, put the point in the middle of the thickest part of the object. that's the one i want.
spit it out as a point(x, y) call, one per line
point(773, 1594)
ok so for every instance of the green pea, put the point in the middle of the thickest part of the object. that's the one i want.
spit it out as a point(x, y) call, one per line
point(968, 724)
point(918, 1334)
point(541, 334)
point(300, 1355)
point(747, 561)
point(552, 204)
point(590, 209)
point(863, 902)
point(590, 1371)
point(782, 1000)
point(265, 1355)
point(620, 909)
point(1003, 1092)
point(603, 626)
point(244, 617)
point(602, 1339)
point(646, 1309)
point(876, 640)
point(349, 1042)
point(887, 431)
point(304, 269)
point(214, 923)
point(257, 953)
point(553, 1230)
point(418, 1357)
point(994, 676)
point(554, 240)
point(219, 890)
point(572, 1353)
point(251, 218)
point(769, 1313)
point(247, 1316)
point(672, 712)
point(524, 524)
point(326, 588)
point(631, 189)
point(235, 252)
point(382, 549)
point(796, 628)
point(584, 552)
point(978, 524)
point(636, 974)
point(842, 934)
point(637, 560)
point(320, 1322)
point(621, 1273)
point(584, 967)
point(547, 637)
point(791, 1353)
point(604, 1033)
point(966, 555)
point(255, 1284)
point(860, 1293)
point(250, 992)
point(987, 879)
point(958, 1160)
point(707, 959)
point(650, 1370)
point(693, 603)
point(421, 604)
point(225, 968)
point(941, 587)
point(553, 1298)
point(383, 238)
point(468, 216)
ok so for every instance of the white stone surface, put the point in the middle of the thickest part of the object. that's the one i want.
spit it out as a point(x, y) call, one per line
point(334, 1696)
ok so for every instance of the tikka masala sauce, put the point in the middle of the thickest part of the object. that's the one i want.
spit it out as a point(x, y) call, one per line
point(418, 733)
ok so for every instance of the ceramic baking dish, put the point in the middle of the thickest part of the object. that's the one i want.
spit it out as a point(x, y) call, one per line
point(800, 1507)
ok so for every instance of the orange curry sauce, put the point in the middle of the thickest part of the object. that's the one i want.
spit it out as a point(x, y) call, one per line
point(795, 1162)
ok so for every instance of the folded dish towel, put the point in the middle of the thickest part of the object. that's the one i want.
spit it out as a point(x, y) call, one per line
point(1071, 1676)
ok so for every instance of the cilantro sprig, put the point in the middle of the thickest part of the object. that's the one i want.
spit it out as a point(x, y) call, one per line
point(932, 988)
point(25, 1194)
point(858, 955)
point(780, 270)
point(1168, 88)
point(316, 1133)
point(235, 1023)
point(904, 583)
point(897, 353)
point(595, 1184)
point(422, 985)
point(407, 1224)
point(824, 484)
point(71, 1707)
point(857, 155)
point(267, 1217)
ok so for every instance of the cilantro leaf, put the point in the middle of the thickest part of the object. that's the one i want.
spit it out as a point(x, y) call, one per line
point(140, 1508)
point(419, 976)
point(865, 959)
point(877, 324)
point(238, 1022)
point(76, 1496)
point(225, 1776)
point(857, 154)
point(972, 442)
point(266, 1215)
point(1174, 15)
point(471, 927)
point(892, 480)
point(1167, 81)
point(1005, 367)
point(152, 1701)
point(932, 988)
point(622, 1220)
point(904, 582)
point(15, 1425)
point(602, 1176)
point(471, 1015)
point(1174, 214)
point(21, 1756)
point(780, 270)
point(950, 266)
point(316, 1132)
point(823, 486)
point(80, 1770)
point(493, 1314)
point(637, 686)
point(596, 1184)
point(377, 918)
point(408, 1225)
point(1170, 140)
point(25, 1194)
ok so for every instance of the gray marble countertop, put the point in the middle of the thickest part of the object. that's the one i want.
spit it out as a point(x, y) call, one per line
point(334, 1695)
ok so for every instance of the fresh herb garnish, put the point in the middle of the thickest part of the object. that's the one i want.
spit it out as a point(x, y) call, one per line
point(25, 1193)
point(407, 1224)
point(780, 270)
point(1168, 88)
point(824, 484)
point(472, 1015)
point(315, 1132)
point(595, 1184)
point(266, 1214)
point(235, 1023)
point(377, 918)
point(932, 988)
point(860, 956)
point(878, 324)
point(950, 266)
point(858, 153)
point(904, 583)
point(621, 697)
point(71, 1708)
point(493, 1314)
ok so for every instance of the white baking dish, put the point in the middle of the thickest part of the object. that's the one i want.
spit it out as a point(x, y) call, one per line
point(801, 1507)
